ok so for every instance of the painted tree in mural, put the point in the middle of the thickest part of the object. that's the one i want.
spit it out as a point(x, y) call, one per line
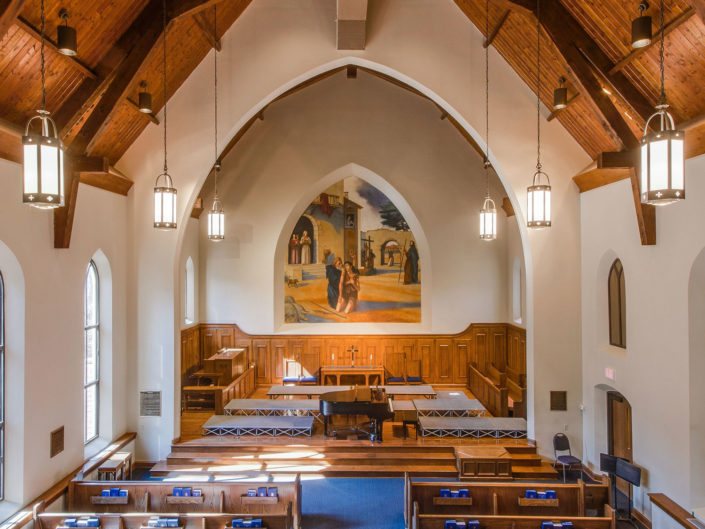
point(392, 217)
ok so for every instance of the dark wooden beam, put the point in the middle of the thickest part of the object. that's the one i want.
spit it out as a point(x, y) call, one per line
point(148, 115)
point(148, 28)
point(63, 217)
point(186, 8)
point(668, 28)
point(596, 177)
point(9, 11)
point(645, 213)
point(206, 28)
point(197, 208)
point(96, 171)
point(51, 45)
point(567, 33)
point(352, 72)
point(495, 31)
point(527, 7)
point(699, 6)
point(507, 207)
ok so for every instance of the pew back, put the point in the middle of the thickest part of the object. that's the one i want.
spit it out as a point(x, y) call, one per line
point(186, 521)
point(157, 497)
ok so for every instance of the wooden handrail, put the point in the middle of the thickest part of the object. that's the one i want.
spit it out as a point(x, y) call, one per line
point(671, 508)
point(25, 515)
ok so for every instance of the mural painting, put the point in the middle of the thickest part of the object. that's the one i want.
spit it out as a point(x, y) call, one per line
point(352, 258)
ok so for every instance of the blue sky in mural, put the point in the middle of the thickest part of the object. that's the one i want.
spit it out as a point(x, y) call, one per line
point(368, 196)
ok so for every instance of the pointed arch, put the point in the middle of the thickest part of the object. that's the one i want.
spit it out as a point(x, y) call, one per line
point(353, 169)
point(617, 305)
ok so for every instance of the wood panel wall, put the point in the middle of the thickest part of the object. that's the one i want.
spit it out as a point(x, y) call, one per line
point(438, 359)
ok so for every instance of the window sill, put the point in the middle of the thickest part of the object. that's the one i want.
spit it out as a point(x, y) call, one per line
point(94, 446)
point(7, 510)
point(613, 350)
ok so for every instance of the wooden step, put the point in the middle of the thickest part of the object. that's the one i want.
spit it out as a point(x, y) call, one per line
point(525, 460)
point(521, 449)
point(418, 456)
point(542, 471)
point(374, 469)
point(327, 446)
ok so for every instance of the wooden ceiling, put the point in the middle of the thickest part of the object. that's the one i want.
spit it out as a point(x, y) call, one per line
point(611, 87)
point(92, 95)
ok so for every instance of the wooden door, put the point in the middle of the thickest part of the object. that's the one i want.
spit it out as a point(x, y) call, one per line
point(444, 361)
point(460, 361)
point(279, 353)
point(335, 352)
point(480, 336)
point(209, 343)
point(619, 431)
point(316, 347)
point(293, 366)
point(498, 348)
point(260, 350)
point(372, 352)
point(427, 354)
point(393, 358)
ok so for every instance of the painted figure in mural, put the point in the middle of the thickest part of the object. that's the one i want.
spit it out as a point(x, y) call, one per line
point(305, 243)
point(390, 256)
point(349, 288)
point(352, 259)
point(294, 249)
point(411, 266)
point(333, 273)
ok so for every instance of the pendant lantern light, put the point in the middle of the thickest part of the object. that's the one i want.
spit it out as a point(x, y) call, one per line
point(43, 165)
point(488, 213)
point(164, 190)
point(539, 192)
point(641, 28)
point(560, 95)
point(662, 155)
point(66, 36)
point(216, 216)
point(144, 99)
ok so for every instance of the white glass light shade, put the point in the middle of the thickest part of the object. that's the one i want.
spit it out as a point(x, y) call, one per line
point(216, 222)
point(488, 220)
point(43, 171)
point(164, 203)
point(539, 202)
point(662, 162)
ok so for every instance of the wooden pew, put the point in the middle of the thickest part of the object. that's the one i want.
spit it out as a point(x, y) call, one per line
point(497, 377)
point(437, 521)
point(494, 398)
point(217, 497)
point(190, 521)
point(504, 499)
point(216, 397)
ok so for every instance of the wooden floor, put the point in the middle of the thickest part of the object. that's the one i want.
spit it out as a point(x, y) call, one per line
point(422, 456)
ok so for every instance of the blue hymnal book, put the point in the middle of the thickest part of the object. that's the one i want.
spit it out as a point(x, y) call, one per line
point(450, 524)
point(463, 493)
point(115, 491)
point(473, 524)
point(153, 522)
point(550, 494)
point(247, 523)
point(567, 525)
point(459, 525)
point(93, 522)
point(445, 493)
point(256, 522)
point(237, 522)
point(546, 525)
point(251, 493)
point(105, 492)
point(178, 491)
point(71, 522)
point(172, 522)
point(161, 522)
point(262, 491)
point(557, 525)
point(530, 494)
point(123, 493)
point(82, 523)
point(541, 495)
point(272, 491)
point(454, 494)
point(186, 491)
point(196, 492)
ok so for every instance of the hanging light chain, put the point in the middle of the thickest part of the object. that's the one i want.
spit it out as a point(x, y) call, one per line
point(165, 95)
point(44, 97)
point(662, 98)
point(216, 165)
point(538, 85)
point(487, 96)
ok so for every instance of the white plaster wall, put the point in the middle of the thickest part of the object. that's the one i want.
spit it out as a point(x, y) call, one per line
point(53, 330)
point(429, 44)
point(276, 170)
point(653, 371)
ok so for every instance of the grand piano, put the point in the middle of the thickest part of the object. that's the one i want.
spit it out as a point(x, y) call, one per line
point(359, 400)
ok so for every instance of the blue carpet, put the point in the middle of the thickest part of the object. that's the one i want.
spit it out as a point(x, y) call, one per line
point(347, 503)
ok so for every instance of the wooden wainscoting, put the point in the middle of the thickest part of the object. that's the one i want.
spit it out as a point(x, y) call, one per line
point(496, 350)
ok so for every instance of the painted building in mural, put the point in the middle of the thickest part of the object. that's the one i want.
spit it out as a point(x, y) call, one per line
point(352, 258)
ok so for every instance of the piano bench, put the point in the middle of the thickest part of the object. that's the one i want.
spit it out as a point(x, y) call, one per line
point(413, 423)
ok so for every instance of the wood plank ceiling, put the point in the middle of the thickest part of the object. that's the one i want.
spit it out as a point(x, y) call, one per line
point(119, 45)
point(611, 88)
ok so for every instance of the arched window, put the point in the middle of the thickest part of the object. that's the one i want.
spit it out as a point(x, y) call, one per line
point(617, 305)
point(91, 378)
point(2, 389)
point(189, 293)
point(516, 291)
